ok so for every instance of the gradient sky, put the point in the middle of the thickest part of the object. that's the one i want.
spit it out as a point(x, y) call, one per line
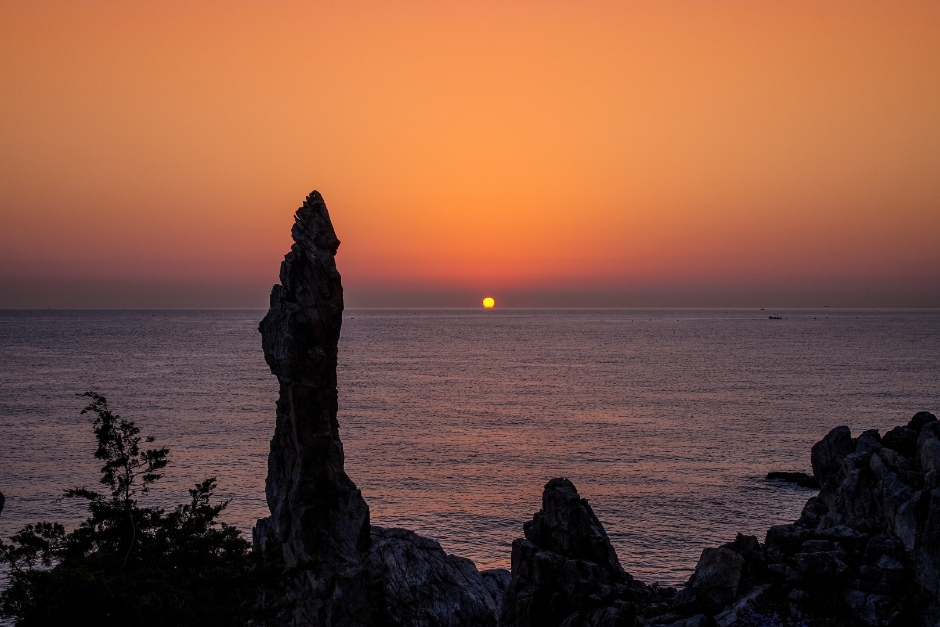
point(546, 153)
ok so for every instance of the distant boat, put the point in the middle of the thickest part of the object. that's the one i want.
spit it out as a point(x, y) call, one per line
point(775, 317)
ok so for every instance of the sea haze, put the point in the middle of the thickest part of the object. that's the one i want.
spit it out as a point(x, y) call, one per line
point(453, 420)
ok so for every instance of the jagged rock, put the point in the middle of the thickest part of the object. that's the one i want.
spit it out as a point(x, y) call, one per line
point(422, 585)
point(717, 576)
point(743, 604)
point(883, 545)
point(567, 525)
point(827, 454)
point(825, 567)
point(566, 572)
point(750, 549)
point(902, 440)
point(867, 547)
point(928, 447)
point(868, 442)
point(784, 540)
point(920, 420)
point(798, 597)
point(353, 575)
point(317, 513)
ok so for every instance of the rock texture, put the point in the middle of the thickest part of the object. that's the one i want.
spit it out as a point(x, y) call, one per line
point(865, 551)
point(425, 587)
point(353, 574)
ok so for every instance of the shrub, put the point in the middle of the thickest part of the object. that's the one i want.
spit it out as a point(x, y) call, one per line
point(133, 565)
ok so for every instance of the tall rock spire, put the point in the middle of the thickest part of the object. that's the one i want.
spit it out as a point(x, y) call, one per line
point(354, 575)
point(317, 513)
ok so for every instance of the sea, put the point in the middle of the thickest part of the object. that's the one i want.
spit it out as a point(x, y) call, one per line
point(667, 421)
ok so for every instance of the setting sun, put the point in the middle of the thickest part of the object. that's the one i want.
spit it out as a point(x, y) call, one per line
point(489, 303)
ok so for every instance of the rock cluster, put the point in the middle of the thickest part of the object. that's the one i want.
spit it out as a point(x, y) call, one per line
point(354, 574)
point(865, 551)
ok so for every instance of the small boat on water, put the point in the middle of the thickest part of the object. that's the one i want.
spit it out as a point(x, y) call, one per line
point(775, 317)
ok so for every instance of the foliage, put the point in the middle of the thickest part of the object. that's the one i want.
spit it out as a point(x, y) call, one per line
point(132, 565)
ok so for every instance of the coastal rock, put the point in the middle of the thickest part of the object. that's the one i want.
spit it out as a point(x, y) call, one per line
point(717, 576)
point(865, 550)
point(868, 442)
point(566, 525)
point(317, 513)
point(352, 574)
point(425, 587)
point(566, 572)
point(920, 420)
point(928, 447)
point(902, 440)
point(827, 455)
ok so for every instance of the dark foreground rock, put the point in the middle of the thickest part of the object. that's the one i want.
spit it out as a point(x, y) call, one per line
point(424, 586)
point(317, 514)
point(353, 574)
point(565, 571)
point(865, 551)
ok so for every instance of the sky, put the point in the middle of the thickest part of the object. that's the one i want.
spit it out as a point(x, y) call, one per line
point(569, 154)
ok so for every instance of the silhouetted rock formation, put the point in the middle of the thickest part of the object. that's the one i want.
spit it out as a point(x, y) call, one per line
point(565, 571)
point(865, 550)
point(355, 574)
point(317, 513)
point(424, 586)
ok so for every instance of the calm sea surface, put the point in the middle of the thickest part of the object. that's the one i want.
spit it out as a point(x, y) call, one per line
point(453, 420)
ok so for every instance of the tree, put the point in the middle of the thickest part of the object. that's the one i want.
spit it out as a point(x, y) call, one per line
point(132, 565)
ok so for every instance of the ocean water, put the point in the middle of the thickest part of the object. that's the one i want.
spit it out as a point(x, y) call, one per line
point(667, 421)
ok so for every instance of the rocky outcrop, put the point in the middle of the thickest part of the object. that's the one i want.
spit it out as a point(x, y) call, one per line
point(425, 587)
point(566, 572)
point(317, 514)
point(352, 574)
point(865, 551)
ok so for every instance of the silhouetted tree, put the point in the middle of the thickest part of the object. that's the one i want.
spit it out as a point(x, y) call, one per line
point(132, 565)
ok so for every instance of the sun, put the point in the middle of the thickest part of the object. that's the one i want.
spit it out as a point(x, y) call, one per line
point(489, 303)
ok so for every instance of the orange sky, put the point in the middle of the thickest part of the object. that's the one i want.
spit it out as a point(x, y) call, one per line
point(641, 153)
